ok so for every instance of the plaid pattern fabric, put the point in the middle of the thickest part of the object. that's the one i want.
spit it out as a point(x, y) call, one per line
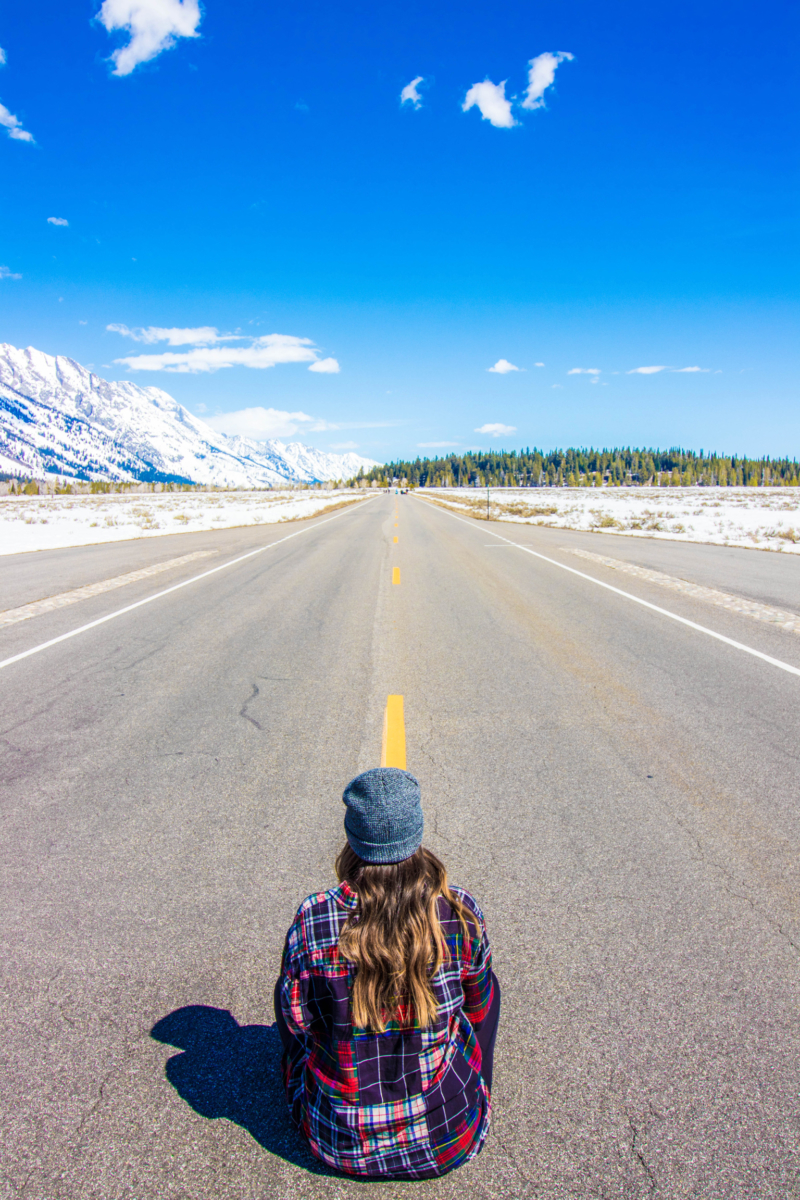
point(409, 1101)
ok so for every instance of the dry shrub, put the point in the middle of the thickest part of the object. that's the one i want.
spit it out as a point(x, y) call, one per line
point(787, 535)
point(519, 508)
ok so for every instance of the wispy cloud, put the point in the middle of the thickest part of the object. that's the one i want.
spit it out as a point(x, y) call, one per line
point(8, 120)
point(490, 98)
point(344, 445)
point(266, 352)
point(437, 445)
point(691, 370)
point(6, 274)
point(153, 25)
point(263, 423)
point(14, 126)
point(57, 221)
point(646, 370)
point(538, 364)
point(496, 429)
point(202, 335)
point(585, 371)
point(410, 95)
point(502, 367)
point(541, 74)
point(212, 351)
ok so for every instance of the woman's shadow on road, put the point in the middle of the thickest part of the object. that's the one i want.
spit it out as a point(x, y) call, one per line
point(233, 1071)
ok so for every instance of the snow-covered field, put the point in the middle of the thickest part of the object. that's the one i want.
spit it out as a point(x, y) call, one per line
point(757, 518)
point(48, 522)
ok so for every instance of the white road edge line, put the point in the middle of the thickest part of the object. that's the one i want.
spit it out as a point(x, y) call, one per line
point(175, 587)
point(720, 637)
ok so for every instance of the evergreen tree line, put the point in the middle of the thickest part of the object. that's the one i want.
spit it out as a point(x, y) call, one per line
point(624, 467)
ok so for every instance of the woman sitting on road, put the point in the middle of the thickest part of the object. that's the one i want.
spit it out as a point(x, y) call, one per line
point(387, 1005)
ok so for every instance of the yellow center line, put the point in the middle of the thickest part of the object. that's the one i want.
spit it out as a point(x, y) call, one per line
point(395, 574)
point(396, 538)
point(393, 747)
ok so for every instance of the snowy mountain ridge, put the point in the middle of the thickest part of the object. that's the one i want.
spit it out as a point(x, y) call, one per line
point(57, 417)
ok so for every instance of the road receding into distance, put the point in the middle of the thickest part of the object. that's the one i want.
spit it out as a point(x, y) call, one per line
point(610, 766)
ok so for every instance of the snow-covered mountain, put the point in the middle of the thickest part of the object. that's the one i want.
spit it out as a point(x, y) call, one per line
point(58, 418)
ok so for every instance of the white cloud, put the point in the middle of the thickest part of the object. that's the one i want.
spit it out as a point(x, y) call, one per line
point(538, 364)
point(541, 73)
point(202, 335)
point(585, 371)
point(496, 429)
point(491, 100)
point(6, 274)
point(646, 370)
point(263, 353)
point(262, 423)
point(208, 355)
point(437, 445)
point(691, 370)
point(410, 94)
point(502, 367)
point(344, 445)
point(8, 120)
point(57, 221)
point(14, 126)
point(154, 25)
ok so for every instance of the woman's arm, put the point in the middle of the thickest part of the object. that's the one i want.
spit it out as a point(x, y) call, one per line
point(476, 980)
point(476, 963)
point(292, 985)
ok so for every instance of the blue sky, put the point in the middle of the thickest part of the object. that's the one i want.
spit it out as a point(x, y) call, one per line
point(258, 175)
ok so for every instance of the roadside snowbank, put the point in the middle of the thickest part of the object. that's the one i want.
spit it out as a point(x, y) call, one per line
point(50, 522)
point(756, 518)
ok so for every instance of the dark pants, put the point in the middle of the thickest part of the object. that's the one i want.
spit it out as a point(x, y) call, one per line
point(486, 1032)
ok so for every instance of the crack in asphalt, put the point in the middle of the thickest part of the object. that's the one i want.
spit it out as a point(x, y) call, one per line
point(95, 1105)
point(637, 1154)
point(243, 710)
point(728, 877)
point(19, 1189)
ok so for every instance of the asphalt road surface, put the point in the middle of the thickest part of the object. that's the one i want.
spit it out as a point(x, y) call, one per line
point(619, 790)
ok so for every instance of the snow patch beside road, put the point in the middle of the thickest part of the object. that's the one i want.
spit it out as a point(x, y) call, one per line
point(755, 518)
point(51, 522)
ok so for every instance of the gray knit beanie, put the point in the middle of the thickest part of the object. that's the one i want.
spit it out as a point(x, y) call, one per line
point(383, 821)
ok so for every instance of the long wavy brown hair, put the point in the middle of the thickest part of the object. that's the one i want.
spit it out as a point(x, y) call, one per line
point(395, 938)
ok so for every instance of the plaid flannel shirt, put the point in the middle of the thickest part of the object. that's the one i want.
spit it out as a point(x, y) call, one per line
point(409, 1101)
